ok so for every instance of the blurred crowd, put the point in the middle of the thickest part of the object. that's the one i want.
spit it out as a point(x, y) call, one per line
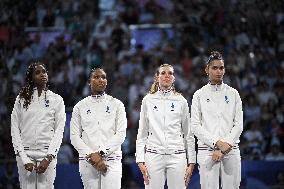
point(249, 34)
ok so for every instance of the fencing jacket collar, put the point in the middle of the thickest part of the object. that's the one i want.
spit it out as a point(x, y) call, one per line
point(166, 92)
point(216, 87)
point(98, 97)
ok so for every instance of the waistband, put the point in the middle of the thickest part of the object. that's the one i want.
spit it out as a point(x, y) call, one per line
point(36, 148)
point(109, 158)
point(164, 152)
point(206, 148)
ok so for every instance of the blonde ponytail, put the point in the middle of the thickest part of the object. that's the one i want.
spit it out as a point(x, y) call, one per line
point(154, 87)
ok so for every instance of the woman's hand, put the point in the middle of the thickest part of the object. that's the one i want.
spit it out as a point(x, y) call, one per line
point(144, 172)
point(217, 155)
point(41, 168)
point(29, 167)
point(188, 173)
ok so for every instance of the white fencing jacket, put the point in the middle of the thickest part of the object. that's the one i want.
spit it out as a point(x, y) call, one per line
point(164, 126)
point(98, 124)
point(40, 127)
point(216, 114)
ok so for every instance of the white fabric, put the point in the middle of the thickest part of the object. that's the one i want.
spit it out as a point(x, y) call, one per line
point(164, 126)
point(92, 179)
point(33, 180)
point(166, 167)
point(216, 114)
point(229, 170)
point(99, 124)
point(39, 127)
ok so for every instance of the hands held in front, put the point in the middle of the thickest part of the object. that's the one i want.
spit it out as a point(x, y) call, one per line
point(217, 155)
point(223, 146)
point(188, 173)
point(97, 161)
point(29, 167)
point(41, 168)
point(144, 172)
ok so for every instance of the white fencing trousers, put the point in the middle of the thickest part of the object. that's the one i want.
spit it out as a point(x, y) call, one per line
point(228, 169)
point(170, 167)
point(93, 179)
point(33, 180)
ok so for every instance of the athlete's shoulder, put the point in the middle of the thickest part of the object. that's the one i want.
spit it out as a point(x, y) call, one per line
point(230, 89)
point(178, 96)
point(201, 90)
point(83, 101)
point(149, 96)
point(113, 100)
point(55, 96)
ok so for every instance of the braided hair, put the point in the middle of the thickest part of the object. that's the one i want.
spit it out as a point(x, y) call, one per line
point(27, 91)
point(155, 86)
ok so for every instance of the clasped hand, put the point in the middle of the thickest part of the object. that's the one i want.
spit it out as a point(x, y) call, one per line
point(97, 161)
point(41, 168)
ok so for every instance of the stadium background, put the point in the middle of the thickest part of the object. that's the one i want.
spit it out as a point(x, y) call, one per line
point(129, 39)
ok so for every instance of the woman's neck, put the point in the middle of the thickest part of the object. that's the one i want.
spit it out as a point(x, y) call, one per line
point(95, 93)
point(40, 89)
point(165, 88)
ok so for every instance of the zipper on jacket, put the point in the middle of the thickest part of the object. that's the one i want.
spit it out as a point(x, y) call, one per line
point(165, 128)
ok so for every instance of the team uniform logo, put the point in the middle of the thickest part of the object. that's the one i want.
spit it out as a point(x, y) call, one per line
point(155, 108)
point(107, 109)
point(227, 99)
point(172, 106)
point(46, 103)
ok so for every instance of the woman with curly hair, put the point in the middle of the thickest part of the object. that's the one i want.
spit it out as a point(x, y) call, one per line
point(37, 125)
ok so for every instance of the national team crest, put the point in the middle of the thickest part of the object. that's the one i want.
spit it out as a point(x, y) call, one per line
point(173, 107)
point(46, 103)
point(226, 99)
point(107, 109)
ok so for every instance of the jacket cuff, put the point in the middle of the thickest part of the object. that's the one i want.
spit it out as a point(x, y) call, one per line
point(105, 150)
point(228, 140)
point(191, 157)
point(25, 159)
point(140, 157)
point(213, 142)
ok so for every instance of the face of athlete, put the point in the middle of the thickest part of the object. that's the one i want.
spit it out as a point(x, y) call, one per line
point(215, 70)
point(40, 76)
point(166, 77)
point(98, 81)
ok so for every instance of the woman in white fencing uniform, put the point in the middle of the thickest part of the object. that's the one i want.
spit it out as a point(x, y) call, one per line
point(98, 128)
point(165, 146)
point(37, 125)
point(217, 121)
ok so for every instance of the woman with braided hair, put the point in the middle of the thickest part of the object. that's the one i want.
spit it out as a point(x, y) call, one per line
point(165, 146)
point(37, 125)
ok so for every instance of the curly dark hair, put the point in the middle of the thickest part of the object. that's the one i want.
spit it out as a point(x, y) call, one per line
point(26, 92)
